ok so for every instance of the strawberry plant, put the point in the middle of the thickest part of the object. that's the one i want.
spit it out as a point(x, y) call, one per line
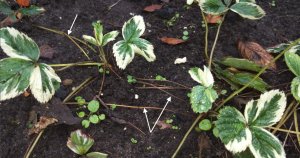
point(21, 70)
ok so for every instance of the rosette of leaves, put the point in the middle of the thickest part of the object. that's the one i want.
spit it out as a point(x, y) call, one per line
point(32, 10)
point(100, 39)
point(293, 62)
point(280, 47)
point(21, 69)
point(203, 96)
point(245, 8)
point(239, 132)
point(125, 50)
point(93, 107)
point(81, 143)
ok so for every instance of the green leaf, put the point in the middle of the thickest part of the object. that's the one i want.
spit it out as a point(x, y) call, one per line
point(90, 39)
point(109, 37)
point(81, 114)
point(96, 155)
point(268, 110)
point(94, 119)
point(250, 1)
point(5, 8)
point(98, 28)
point(233, 132)
point(32, 10)
point(78, 97)
point(80, 100)
point(202, 98)
point(233, 85)
point(13, 17)
point(240, 64)
point(14, 77)
point(205, 125)
point(203, 77)
point(214, 7)
point(93, 106)
point(265, 144)
point(133, 28)
point(102, 117)
point(18, 45)
point(248, 10)
point(41, 82)
point(293, 62)
point(85, 123)
point(79, 142)
point(56, 84)
point(227, 2)
point(216, 132)
point(295, 88)
point(124, 54)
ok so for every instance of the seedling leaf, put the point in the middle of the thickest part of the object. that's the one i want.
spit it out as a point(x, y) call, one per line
point(214, 7)
point(85, 123)
point(32, 10)
point(293, 62)
point(93, 106)
point(205, 125)
point(79, 142)
point(240, 64)
point(248, 10)
point(96, 155)
point(94, 119)
point(295, 88)
point(202, 98)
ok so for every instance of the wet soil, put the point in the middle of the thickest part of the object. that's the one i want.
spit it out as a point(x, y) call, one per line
point(281, 24)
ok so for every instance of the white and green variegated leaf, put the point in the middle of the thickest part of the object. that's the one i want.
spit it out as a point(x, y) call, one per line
point(265, 144)
point(144, 48)
point(109, 37)
point(32, 10)
point(189, 2)
point(293, 62)
point(133, 28)
point(250, 1)
point(14, 77)
point(248, 10)
point(98, 30)
point(204, 77)
point(124, 53)
point(41, 82)
point(96, 155)
point(295, 49)
point(79, 142)
point(90, 39)
point(295, 88)
point(233, 131)
point(269, 109)
point(5, 8)
point(214, 7)
point(202, 98)
point(278, 48)
point(18, 45)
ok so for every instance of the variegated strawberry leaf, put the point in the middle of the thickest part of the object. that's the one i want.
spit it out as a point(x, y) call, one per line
point(203, 77)
point(213, 7)
point(293, 62)
point(248, 10)
point(90, 39)
point(280, 47)
point(96, 155)
point(202, 98)
point(109, 37)
point(32, 10)
point(21, 70)
point(124, 50)
point(98, 30)
point(295, 88)
point(79, 142)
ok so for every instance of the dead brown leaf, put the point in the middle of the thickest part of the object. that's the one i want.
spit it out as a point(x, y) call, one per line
point(172, 41)
point(42, 124)
point(203, 143)
point(213, 19)
point(254, 52)
point(46, 51)
point(7, 22)
point(67, 82)
point(164, 125)
point(26, 94)
point(152, 8)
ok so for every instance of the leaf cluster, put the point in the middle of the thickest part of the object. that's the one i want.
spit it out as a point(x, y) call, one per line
point(93, 107)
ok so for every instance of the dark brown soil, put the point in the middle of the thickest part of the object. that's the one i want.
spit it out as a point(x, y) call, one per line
point(281, 24)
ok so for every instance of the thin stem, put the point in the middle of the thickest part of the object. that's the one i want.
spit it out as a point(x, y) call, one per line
point(261, 71)
point(296, 127)
point(185, 136)
point(215, 42)
point(36, 140)
point(284, 130)
point(76, 89)
point(79, 47)
point(88, 63)
point(206, 34)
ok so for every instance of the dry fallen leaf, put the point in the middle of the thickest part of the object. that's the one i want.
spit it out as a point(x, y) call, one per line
point(26, 94)
point(67, 82)
point(42, 124)
point(203, 143)
point(7, 22)
point(164, 125)
point(172, 41)
point(254, 52)
point(152, 8)
point(213, 19)
point(46, 51)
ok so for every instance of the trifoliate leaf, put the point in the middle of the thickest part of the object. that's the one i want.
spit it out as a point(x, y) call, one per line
point(265, 144)
point(240, 64)
point(269, 109)
point(109, 37)
point(32, 10)
point(214, 7)
point(79, 142)
point(233, 132)
point(248, 10)
point(293, 62)
point(202, 98)
point(295, 88)
point(90, 39)
point(204, 77)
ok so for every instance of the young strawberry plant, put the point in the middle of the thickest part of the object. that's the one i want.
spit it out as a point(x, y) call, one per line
point(293, 62)
point(93, 107)
point(125, 50)
point(21, 69)
point(239, 132)
point(81, 143)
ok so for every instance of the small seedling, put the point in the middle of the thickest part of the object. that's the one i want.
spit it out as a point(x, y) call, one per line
point(133, 140)
point(81, 114)
point(205, 125)
point(219, 22)
point(93, 107)
point(273, 4)
point(112, 107)
point(102, 117)
point(185, 33)
point(203, 24)
point(174, 127)
point(101, 70)
point(107, 72)
point(109, 8)
point(169, 121)
point(223, 91)
point(198, 129)
point(130, 79)
point(158, 77)
point(148, 148)
point(192, 26)
point(81, 101)
point(186, 7)
point(174, 115)
point(170, 22)
point(16, 122)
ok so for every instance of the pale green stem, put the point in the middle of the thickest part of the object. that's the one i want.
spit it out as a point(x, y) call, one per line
point(36, 140)
point(261, 71)
point(76, 89)
point(296, 126)
point(283, 130)
point(74, 64)
point(206, 34)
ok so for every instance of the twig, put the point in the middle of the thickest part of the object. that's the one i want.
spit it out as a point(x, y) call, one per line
point(30, 145)
point(283, 130)
point(103, 78)
point(169, 87)
point(287, 135)
point(36, 140)
point(114, 4)
point(136, 127)
point(296, 126)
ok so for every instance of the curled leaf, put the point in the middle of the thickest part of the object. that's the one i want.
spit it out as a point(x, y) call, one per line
point(42, 124)
point(172, 41)
point(213, 19)
point(152, 8)
point(254, 52)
